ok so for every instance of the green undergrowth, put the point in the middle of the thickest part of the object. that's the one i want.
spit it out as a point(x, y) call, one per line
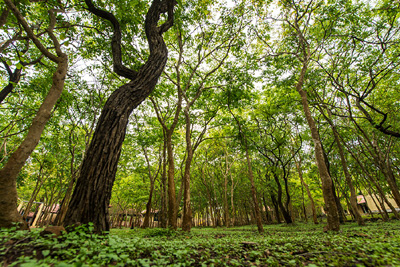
point(376, 244)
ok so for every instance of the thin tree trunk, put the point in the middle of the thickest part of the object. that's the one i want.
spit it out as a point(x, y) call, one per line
point(226, 207)
point(353, 196)
point(146, 221)
point(285, 213)
point(377, 186)
point(39, 183)
point(232, 203)
point(187, 211)
point(267, 215)
point(251, 177)
point(276, 207)
point(164, 187)
point(331, 208)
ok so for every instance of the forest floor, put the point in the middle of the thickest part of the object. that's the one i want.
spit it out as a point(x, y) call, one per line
point(376, 244)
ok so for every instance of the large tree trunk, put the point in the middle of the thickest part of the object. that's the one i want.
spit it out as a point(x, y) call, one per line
point(90, 200)
point(91, 197)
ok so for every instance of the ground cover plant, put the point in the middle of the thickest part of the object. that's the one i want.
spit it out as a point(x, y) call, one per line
point(375, 244)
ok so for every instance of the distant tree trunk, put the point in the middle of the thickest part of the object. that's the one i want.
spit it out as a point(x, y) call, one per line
point(152, 178)
point(342, 217)
point(146, 221)
point(267, 215)
point(164, 188)
point(285, 213)
point(172, 209)
point(276, 208)
point(64, 203)
point(226, 207)
point(251, 176)
point(353, 196)
point(232, 202)
point(39, 183)
point(91, 197)
point(375, 183)
point(187, 211)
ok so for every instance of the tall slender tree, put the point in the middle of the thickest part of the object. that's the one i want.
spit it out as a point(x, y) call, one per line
point(10, 171)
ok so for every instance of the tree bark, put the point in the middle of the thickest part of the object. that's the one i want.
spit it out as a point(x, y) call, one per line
point(91, 197)
point(10, 171)
point(332, 211)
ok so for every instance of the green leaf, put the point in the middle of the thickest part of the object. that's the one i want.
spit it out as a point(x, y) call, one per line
point(45, 253)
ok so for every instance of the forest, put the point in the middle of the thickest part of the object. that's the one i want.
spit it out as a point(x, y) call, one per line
point(198, 116)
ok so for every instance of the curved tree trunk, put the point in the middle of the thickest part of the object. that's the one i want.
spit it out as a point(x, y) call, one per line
point(91, 197)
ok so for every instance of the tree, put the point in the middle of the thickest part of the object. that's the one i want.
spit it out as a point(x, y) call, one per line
point(101, 160)
point(10, 171)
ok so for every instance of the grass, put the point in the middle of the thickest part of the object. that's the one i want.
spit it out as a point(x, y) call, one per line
point(376, 244)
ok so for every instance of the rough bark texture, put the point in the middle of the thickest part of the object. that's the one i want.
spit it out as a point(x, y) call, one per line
point(91, 197)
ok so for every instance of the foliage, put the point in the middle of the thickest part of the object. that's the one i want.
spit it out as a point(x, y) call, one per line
point(376, 244)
